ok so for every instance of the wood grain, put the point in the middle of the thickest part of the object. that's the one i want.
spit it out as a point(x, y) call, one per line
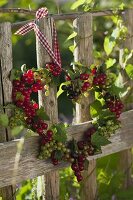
point(5, 89)
point(126, 156)
point(49, 103)
point(84, 53)
point(28, 164)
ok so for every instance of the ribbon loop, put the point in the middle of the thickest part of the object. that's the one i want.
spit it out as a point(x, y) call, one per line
point(42, 12)
point(55, 55)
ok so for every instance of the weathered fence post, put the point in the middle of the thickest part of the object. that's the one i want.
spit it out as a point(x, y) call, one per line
point(84, 54)
point(126, 156)
point(5, 89)
point(50, 104)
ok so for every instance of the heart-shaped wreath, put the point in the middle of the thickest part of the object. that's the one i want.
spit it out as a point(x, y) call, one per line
point(79, 82)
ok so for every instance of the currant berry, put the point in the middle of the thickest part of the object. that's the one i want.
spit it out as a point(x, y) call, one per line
point(40, 131)
point(81, 158)
point(74, 167)
point(84, 76)
point(34, 88)
point(35, 105)
point(55, 161)
point(79, 178)
point(49, 133)
point(81, 145)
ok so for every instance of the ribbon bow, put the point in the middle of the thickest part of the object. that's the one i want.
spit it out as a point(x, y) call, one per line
point(55, 55)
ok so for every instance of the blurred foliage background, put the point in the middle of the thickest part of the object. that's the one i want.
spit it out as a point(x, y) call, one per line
point(109, 176)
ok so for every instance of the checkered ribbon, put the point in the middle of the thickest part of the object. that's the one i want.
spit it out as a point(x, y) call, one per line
point(55, 55)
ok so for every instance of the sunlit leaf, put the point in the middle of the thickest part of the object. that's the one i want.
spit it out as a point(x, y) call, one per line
point(60, 91)
point(109, 44)
point(110, 62)
point(17, 130)
point(116, 33)
point(95, 108)
point(73, 35)
point(3, 2)
point(129, 70)
point(4, 120)
point(72, 48)
point(77, 3)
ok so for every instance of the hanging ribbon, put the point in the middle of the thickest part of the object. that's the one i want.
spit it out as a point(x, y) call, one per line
point(41, 13)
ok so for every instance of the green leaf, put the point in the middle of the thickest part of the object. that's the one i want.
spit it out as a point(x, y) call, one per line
point(129, 70)
point(116, 33)
point(72, 48)
point(15, 74)
point(109, 44)
point(99, 140)
point(60, 134)
point(97, 54)
point(122, 6)
point(60, 91)
point(29, 133)
point(42, 114)
point(77, 3)
point(17, 130)
point(10, 106)
point(110, 62)
point(71, 73)
point(105, 114)
point(58, 155)
point(4, 120)
point(3, 2)
point(56, 80)
point(95, 108)
point(126, 57)
point(73, 35)
point(118, 91)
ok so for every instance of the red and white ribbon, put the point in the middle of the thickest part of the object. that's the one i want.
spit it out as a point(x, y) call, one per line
point(55, 55)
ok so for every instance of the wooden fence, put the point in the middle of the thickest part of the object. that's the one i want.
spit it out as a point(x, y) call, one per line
point(18, 158)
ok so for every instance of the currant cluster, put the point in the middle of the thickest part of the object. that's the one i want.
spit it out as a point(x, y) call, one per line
point(115, 105)
point(54, 69)
point(72, 92)
point(86, 85)
point(100, 79)
point(84, 149)
point(22, 90)
point(47, 137)
point(51, 148)
point(60, 153)
point(46, 150)
point(17, 119)
point(109, 128)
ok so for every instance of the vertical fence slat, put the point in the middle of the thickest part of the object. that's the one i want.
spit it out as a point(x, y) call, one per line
point(5, 89)
point(50, 104)
point(126, 156)
point(84, 54)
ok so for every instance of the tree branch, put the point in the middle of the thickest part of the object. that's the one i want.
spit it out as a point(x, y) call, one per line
point(17, 10)
point(61, 16)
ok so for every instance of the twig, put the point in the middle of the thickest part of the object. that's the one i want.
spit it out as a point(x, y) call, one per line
point(58, 16)
point(61, 16)
point(17, 10)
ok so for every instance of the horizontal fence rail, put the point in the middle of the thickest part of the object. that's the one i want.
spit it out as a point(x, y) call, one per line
point(18, 158)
